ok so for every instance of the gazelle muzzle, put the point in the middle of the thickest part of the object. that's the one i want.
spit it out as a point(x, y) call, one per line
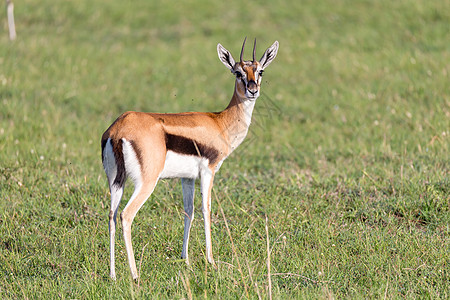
point(252, 88)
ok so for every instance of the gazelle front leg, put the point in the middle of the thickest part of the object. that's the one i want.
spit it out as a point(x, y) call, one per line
point(206, 182)
point(188, 185)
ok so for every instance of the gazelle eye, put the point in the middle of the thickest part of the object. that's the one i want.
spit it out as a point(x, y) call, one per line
point(261, 73)
point(238, 74)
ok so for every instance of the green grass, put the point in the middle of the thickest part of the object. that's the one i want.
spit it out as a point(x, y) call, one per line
point(347, 156)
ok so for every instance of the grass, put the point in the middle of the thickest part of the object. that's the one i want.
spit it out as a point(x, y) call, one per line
point(347, 154)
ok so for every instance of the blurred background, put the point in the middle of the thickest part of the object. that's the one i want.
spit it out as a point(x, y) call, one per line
point(352, 125)
point(349, 71)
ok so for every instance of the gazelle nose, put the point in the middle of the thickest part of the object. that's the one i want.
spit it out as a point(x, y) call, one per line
point(252, 87)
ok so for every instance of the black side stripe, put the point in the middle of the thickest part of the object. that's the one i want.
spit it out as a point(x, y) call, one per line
point(182, 145)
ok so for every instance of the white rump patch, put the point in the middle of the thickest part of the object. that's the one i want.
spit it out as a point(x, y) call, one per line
point(132, 165)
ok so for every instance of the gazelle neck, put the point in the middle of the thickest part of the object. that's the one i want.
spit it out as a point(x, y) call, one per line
point(243, 108)
point(237, 118)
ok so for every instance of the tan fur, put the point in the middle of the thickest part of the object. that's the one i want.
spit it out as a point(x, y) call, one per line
point(147, 130)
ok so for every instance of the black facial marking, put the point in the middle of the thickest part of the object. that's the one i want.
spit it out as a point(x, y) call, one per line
point(252, 85)
point(182, 145)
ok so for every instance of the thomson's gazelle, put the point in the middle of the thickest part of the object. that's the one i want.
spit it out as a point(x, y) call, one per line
point(148, 146)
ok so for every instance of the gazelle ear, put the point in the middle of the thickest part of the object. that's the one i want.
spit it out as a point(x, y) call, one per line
point(225, 57)
point(269, 55)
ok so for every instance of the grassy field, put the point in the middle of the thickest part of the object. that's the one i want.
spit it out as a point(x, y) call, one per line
point(347, 156)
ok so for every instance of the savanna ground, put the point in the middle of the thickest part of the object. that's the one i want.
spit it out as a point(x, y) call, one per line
point(347, 157)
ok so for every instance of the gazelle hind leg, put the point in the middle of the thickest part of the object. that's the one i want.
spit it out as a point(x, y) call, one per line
point(116, 196)
point(140, 195)
point(188, 185)
point(144, 184)
point(116, 190)
point(206, 182)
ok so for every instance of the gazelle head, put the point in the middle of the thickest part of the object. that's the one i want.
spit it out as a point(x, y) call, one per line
point(248, 73)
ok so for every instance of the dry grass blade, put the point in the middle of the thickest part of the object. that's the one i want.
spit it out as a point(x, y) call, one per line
point(254, 283)
point(232, 246)
point(186, 284)
point(140, 265)
point(269, 278)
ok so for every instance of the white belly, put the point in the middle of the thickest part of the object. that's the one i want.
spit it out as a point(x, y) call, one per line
point(182, 166)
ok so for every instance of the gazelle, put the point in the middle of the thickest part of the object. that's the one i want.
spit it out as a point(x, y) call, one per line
point(148, 146)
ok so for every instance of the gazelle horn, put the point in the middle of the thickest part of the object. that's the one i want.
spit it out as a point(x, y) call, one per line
point(242, 50)
point(254, 50)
